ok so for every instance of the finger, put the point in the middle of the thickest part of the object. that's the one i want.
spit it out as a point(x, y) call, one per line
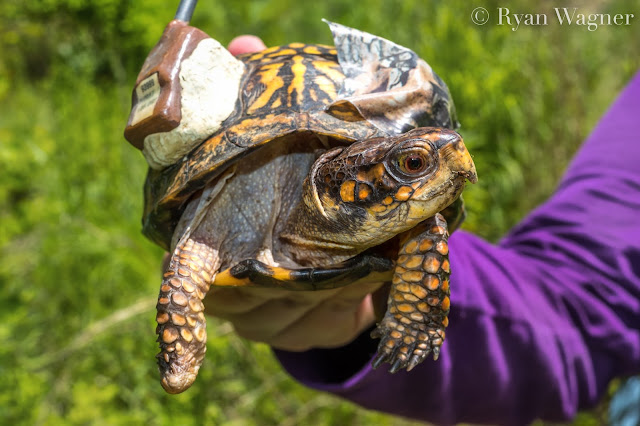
point(246, 44)
point(379, 299)
point(224, 301)
point(332, 323)
point(267, 320)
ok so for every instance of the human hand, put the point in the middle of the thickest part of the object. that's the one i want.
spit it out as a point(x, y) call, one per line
point(246, 44)
point(295, 320)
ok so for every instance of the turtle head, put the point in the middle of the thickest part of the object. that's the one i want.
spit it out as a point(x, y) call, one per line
point(374, 189)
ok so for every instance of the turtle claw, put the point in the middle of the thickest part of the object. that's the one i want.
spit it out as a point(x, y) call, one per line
point(403, 346)
point(436, 353)
point(378, 360)
point(415, 360)
point(376, 334)
point(397, 365)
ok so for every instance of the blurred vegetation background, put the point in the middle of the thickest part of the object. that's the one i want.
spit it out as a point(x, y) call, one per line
point(79, 281)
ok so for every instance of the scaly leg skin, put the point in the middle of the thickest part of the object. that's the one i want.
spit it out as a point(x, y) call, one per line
point(181, 323)
point(418, 303)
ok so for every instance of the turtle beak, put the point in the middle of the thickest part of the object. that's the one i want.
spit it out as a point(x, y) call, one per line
point(470, 175)
point(457, 156)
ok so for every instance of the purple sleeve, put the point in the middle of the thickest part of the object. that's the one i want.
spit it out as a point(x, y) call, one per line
point(540, 323)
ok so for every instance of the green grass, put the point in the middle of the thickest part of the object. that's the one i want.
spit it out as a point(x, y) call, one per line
point(79, 281)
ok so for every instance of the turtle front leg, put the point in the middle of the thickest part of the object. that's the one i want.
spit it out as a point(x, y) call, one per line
point(418, 303)
point(181, 322)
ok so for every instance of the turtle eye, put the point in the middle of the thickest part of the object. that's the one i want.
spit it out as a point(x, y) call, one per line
point(413, 163)
point(412, 160)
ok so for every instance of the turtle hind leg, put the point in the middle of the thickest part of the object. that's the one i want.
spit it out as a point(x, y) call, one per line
point(418, 302)
point(181, 322)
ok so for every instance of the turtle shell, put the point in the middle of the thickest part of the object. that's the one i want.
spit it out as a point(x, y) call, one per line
point(364, 87)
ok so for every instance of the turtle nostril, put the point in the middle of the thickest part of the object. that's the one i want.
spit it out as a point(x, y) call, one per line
point(470, 175)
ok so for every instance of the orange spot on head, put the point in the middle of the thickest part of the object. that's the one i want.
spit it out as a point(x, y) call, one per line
point(378, 171)
point(363, 191)
point(387, 201)
point(362, 176)
point(347, 191)
point(378, 208)
point(404, 193)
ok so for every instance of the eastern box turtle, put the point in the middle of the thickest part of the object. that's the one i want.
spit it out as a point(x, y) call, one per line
point(316, 167)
